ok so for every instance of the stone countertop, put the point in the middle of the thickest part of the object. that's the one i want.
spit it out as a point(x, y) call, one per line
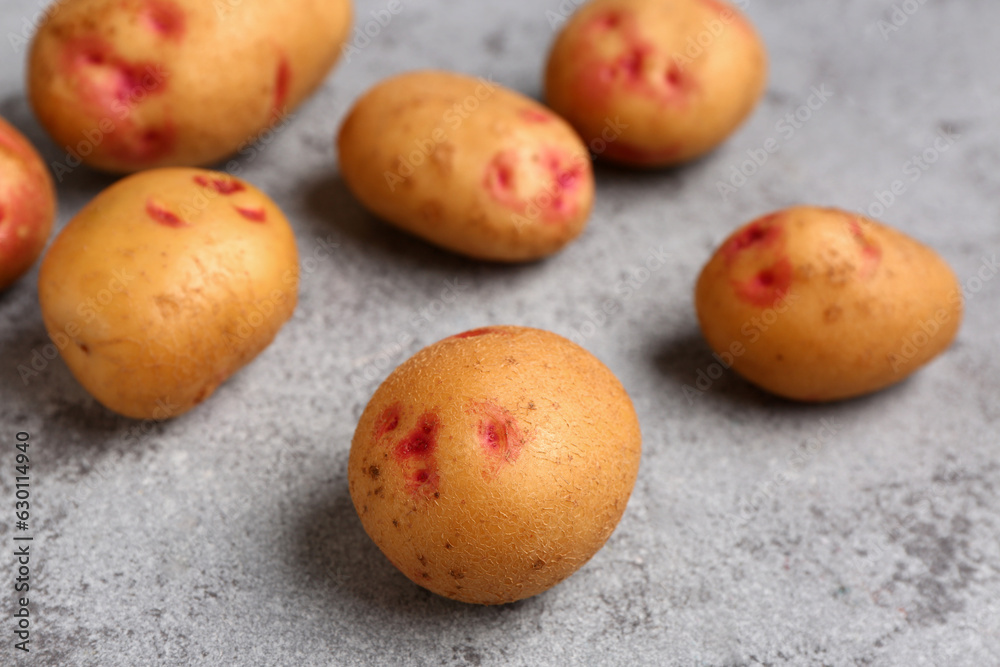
point(759, 532)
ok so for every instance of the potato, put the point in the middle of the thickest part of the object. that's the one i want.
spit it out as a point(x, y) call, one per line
point(818, 304)
point(468, 165)
point(166, 284)
point(656, 82)
point(27, 204)
point(126, 85)
point(493, 464)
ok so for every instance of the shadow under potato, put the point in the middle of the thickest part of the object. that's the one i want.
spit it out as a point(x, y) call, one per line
point(700, 375)
point(40, 395)
point(336, 557)
point(328, 200)
point(690, 363)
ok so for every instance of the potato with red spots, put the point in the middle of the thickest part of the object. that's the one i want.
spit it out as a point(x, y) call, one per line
point(27, 204)
point(819, 304)
point(166, 284)
point(467, 165)
point(653, 83)
point(493, 464)
point(126, 85)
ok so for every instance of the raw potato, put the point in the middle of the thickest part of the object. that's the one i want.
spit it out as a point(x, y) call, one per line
point(656, 82)
point(493, 464)
point(818, 304)
point(27, 204)
point(468, 165)
point(126, 85)
point(166, 284)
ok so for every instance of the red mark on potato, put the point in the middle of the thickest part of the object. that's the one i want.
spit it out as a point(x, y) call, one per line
point(162, 215)
point(545, 185)
point(416, 453)
point(141, 146)
point(768, 286)
point(608, 21)
point(106, 85)
point(535, 116)
point(282, 81)
point(871, 254)
point(224, 186)
point(499, 179)
point(164, 18)
point(252, 214)
point(473, 333)
point(762, 233)
point(565, 179)
point(420, 442)
point(388, 421)
point(102, 77)
point(499, 433)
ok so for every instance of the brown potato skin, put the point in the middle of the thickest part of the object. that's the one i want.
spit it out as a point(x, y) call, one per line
point(491, 525)
point(134, 84)
point(161, 288)
point(640, 65)
point(27, 204)
point(819, 304)
point(447, 193)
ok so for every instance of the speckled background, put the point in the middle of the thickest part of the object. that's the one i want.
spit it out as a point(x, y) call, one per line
point(760, 531)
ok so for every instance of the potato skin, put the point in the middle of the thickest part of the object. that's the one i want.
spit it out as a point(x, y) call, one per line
point(27, 204)
point(467, 165)
point(493, 464)
point(819, 304)
point(166, 284)
point(134, 84)
point(674, 77)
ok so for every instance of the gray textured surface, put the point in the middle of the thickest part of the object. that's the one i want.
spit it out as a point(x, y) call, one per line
point(227, 536)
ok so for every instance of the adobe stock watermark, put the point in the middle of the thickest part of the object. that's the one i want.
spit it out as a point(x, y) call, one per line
point(554, 188)
point(198, 203)
point(764, 491)
point(424, 148)
point(19, 41)
point(925, 331)
point(363, 34)
point(899, 17)
point(712, 29)
point(793, 121)
point(264, 308)
point(635, 279)
point(751, 330)
point(365, 376)
point(558, 16)
point(87, 311)
point(152, 78)
point(912, 171)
